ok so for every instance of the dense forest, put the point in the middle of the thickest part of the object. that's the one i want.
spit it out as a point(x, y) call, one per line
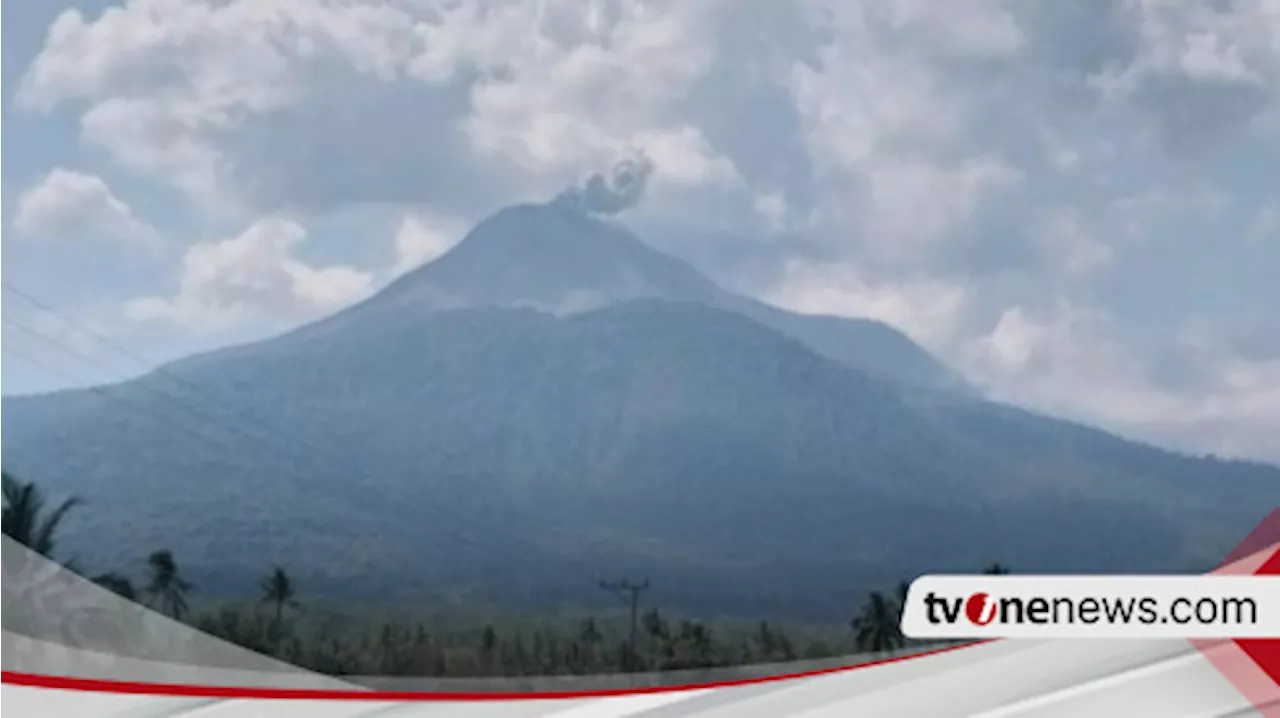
point(274, 619)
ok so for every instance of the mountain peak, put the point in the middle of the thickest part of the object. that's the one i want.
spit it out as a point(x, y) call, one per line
point(559, 258)
point(552, 256)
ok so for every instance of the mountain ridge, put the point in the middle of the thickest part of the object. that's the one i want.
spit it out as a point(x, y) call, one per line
point(522, 454)
point(556, 258)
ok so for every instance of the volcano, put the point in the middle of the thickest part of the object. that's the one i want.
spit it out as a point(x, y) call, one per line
point(553, 401)
point(558, 259)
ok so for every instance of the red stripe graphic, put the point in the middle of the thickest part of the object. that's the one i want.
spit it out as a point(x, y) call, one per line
point(197, 691)
point(1250, 675)
point(1266, 534)
point(1252, 665)
point(1266, 651)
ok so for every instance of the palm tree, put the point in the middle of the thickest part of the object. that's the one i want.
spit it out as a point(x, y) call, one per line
point(697, 646)
point(167, 589)
point(704, 645)
point(590, 637)
point(489, 647)
point(278, 588)
point(904, 587)
point(117, 584)
point(766, 640)
point(660, 638)
point(900, 599)
point(488, 640)
point(877, 627)
point(24, 520)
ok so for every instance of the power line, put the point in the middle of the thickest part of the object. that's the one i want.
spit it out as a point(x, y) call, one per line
point(625, 589)
point(220, 437)
point(190, 410)
point(306, 448)
point(311, 449)
point(100, 391)
point(170, 400)
point(162, 396)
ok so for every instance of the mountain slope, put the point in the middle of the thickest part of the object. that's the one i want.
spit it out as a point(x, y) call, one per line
point(523, 456)
point(555, 258)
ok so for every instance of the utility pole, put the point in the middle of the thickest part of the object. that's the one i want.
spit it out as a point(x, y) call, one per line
point(622, 589)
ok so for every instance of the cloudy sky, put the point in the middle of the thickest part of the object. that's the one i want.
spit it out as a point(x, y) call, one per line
point(1074, 203)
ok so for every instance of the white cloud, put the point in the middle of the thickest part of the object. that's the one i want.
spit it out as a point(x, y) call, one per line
point(1073, 362)
point(583, 92)
point(169, 88)
point(860, 101)
point(683, 157)
point(772, 208)
point(927, 309)
point(907, 161)
point(1064, 359)
point(69, 203)
point(1066, 364)
point(1200, 79)
point(251, 276)
point(1206, 58)
point(1009, 346)
point(1231, 44)
point(1072, 246)
point(162, 82)
point(971, 28)
point(885, 130)
point(916, 201)
point(1241, 415)
point(421, 237)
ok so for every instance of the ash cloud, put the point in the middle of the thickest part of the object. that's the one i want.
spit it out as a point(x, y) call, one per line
point(620, 189)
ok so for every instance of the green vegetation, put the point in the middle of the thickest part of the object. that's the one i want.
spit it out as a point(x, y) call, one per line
point(447, 432)
point(25, 519)
point(445, 441)
point(167, 589)
point(342, 641)
point(520, 457)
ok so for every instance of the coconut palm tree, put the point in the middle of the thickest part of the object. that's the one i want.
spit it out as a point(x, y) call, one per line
point(590, 637)
point(661, 641)
point(117, 584)
point(278, 589)
point(25, 520)
point(766, 640)
point(900, 595)
point(877, 626)
point(900, 606)
point(488, 640)
point(489, 650)
point(696, 646)
point(167, 589)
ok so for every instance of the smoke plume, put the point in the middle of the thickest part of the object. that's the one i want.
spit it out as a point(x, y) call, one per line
point(620, 189)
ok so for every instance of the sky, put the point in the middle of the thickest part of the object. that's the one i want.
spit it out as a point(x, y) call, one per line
point(1074, 204)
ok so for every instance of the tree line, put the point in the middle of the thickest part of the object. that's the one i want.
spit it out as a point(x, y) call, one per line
point(397, 649)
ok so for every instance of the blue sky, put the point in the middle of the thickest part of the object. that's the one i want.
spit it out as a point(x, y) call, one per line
point(1074, 204)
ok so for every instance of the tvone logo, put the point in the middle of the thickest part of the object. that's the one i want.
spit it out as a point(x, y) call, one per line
point(980, 609)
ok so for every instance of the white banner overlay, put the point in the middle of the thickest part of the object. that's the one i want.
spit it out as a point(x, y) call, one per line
point(1093, 607)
